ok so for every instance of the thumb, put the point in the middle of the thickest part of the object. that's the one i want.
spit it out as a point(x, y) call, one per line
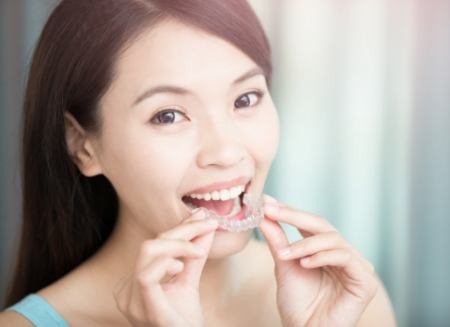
point(193, 267)
point(276, 240)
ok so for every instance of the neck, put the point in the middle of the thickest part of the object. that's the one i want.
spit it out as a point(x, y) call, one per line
point(117, 259)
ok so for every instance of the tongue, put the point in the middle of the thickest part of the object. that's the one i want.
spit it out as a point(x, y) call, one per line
point(222, 208)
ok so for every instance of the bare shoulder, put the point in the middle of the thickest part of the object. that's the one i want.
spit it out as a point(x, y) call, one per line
point(379, 312)
point(11, 318)
point(74, 297)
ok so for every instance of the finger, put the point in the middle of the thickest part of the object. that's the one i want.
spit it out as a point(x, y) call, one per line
point(160, 269)
point(148, 285)
point(271, 200)
point(154, 248)
point(321, 242)
point(267, 199)
point(276, 239)
point(356, 273)
point(173, 271)
point(338, 258)
point(191, 227)
point(197, 213)
point(194, 266)
point(128, 292)
point(309, 246)
point(304, 221)
point(368, 265)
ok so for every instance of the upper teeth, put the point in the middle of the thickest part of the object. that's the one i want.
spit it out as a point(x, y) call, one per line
point(222, 195)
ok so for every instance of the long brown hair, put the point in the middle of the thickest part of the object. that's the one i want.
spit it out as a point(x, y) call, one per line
point(67, 216)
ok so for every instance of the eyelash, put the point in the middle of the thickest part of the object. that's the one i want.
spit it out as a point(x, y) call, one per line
point(259, 94)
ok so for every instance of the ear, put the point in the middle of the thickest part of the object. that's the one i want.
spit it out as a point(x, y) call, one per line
point(80, 147)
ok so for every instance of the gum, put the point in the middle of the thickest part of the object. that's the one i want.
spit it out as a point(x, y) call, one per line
point(254, 215)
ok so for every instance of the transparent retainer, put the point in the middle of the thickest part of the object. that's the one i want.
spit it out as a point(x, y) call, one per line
point(254, 214)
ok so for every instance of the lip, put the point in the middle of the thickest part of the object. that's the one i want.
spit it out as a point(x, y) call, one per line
point(242, 180)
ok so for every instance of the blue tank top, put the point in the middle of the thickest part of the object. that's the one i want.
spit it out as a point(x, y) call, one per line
point(38, 311)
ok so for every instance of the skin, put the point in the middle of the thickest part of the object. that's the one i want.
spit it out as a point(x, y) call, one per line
point(134, 277)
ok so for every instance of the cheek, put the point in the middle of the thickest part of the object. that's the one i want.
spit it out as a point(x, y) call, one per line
point(263, 138)
point(165, 161)
point(143, 166)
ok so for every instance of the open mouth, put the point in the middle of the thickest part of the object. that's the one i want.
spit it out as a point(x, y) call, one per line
point(230, 208)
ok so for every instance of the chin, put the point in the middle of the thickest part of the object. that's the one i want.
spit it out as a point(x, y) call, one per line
point(228, 243)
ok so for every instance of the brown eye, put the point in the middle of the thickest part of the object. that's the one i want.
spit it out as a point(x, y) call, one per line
point(166, 117)
point(248, 99)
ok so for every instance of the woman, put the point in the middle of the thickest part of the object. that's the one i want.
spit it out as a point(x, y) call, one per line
point(136, 112)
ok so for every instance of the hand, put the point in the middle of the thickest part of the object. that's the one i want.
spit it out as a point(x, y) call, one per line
point(163, 290)
point(322, 280)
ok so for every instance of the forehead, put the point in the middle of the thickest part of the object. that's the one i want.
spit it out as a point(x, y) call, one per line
point(178, 53)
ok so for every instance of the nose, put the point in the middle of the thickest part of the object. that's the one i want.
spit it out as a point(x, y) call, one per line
point(221, 144)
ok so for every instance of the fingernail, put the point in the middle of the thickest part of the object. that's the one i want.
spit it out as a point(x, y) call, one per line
point(178, 265)
point(270, 199)
point(306, 259)
point(199, 213)
point(271, 209)
point(284, 252)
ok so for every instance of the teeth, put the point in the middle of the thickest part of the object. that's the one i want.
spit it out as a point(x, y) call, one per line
point(236, 191)
point(222, 195)
point(215, 195)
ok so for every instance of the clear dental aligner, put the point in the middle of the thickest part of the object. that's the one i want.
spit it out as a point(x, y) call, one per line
point(254, 214)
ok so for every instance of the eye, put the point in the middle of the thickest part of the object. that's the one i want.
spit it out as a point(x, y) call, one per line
point(166, 117)
point(249, 99)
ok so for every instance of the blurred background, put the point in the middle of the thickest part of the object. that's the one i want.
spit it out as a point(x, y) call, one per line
point(363, 92)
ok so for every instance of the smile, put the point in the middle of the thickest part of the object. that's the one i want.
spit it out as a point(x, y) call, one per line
point(235, 209)
point(225, 202)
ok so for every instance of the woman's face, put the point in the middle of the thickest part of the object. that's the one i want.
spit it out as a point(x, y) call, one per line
point(152, 159)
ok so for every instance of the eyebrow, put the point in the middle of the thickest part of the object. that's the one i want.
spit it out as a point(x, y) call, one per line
point(172, 89)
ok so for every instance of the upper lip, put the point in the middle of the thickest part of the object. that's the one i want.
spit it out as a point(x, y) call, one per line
point(221, 185)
